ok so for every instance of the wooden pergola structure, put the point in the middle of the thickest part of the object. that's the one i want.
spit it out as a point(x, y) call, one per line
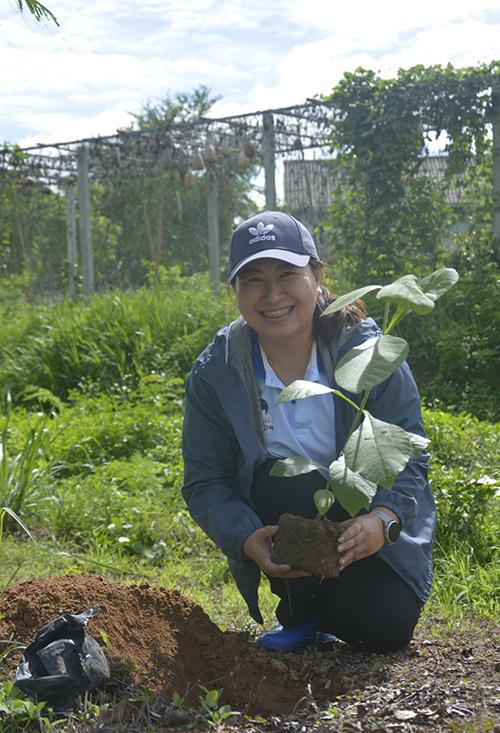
point(203, 143)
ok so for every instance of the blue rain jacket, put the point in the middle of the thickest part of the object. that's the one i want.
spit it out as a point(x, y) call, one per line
point(223, 445)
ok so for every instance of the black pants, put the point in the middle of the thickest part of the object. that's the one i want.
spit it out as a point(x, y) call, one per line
point(368, 605)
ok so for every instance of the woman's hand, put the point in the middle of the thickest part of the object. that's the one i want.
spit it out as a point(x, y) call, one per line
point(258, 548)
point(362, 537)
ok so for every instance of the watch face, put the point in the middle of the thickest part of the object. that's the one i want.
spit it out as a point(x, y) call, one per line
point(393, 531)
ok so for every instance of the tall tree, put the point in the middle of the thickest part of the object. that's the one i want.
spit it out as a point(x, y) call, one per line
point(162, 212)
point(386, 216)
point(176, 109)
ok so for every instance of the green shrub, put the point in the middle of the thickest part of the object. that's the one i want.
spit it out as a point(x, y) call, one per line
point(111, 338)
point(465, 479)
point(462, 586)
point(28, 465)
point(455, 355)
point(119, 472)
point(124, 505)
point(463, 441)
point(467, 513)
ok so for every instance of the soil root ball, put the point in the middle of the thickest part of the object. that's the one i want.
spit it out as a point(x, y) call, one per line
point(308, 544)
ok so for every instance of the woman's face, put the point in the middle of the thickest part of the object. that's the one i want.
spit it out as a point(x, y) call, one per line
point(276, 299)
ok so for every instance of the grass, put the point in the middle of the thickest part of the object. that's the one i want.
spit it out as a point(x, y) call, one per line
point(94, 451)
point(112, 339)
point(114, 503)
point(94, 446)
point(464, 588)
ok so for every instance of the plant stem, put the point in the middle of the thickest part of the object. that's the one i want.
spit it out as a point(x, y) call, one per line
point(386, 316)
point(397, 317)
point(358, 414)
point(339, 394)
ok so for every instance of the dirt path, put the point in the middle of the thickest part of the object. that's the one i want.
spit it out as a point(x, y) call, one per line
point(162, 641)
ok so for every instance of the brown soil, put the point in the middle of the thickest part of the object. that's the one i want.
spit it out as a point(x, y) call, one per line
point(161, 640)
point(308, 544)
point(447, 679)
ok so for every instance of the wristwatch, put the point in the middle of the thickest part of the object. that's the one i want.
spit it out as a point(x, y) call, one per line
point(392, 529)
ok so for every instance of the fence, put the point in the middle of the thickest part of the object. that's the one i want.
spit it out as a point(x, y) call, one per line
point(101, 212)
point(147, 198)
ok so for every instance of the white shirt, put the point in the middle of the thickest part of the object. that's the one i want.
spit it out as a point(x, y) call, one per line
point(304, 427)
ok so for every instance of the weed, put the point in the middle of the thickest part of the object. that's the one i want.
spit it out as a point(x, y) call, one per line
point(210, 712)
point(104, 638)
point(25, 472)
point(8, 647)
point(462, 586)
point(18, 713)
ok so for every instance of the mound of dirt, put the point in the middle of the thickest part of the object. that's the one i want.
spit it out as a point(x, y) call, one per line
point(165, 642)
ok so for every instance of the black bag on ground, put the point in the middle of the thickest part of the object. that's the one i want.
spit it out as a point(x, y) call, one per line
point(63, 661)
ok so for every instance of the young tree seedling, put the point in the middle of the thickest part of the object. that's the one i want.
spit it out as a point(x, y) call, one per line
point(375, 451)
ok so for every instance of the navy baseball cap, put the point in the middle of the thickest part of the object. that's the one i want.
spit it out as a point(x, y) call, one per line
point(272, 234)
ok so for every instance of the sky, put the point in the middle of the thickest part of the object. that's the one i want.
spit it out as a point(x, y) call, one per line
point(108, 58)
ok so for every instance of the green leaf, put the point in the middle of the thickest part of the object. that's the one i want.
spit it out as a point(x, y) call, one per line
point(177, 700)
point(39, 11)
point(294, 466)
point(42, 395)
point(323, 500)
point(438, 282)
point(212, 697)
point(407, 293)
point(11, 512)
point(353, 492)
point(368, 364)
point(302, 388)
point(104, 637)
point(349, 298)
point(379, 450)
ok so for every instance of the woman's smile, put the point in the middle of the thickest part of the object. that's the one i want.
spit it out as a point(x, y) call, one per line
point(277, 299)
point(274, 315)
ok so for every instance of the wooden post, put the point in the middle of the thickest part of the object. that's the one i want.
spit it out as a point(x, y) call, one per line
point(71, 239)
point(268, 159)
point(213, 227)
point(495, 98)
point(84, 219)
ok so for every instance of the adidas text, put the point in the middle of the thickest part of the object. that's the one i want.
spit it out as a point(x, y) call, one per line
point(262, 238)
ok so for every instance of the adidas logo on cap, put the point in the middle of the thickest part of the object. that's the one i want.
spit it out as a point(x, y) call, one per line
point(260, 233)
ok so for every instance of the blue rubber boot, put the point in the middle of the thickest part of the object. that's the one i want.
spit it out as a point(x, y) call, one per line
point(289, 640)
point(323, 638)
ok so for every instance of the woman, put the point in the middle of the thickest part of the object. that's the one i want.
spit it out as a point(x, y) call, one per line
point(234, 431)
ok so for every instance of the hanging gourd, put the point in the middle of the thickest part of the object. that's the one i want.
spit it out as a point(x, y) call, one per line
point(198, 164)
point(249, 149)
point(209, 154)
point(241, 160)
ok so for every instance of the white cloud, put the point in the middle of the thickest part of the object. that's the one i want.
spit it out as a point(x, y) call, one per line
point(108, 58)
point(57, 127)
point(385, 18)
